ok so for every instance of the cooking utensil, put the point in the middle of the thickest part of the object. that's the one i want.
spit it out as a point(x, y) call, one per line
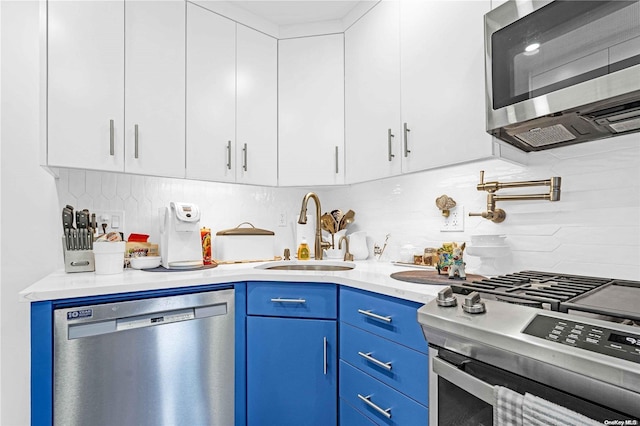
point(346, 219)
point(328, 223)
point(337, 215)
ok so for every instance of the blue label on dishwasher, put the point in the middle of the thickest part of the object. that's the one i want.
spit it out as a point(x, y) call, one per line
point(82, 313)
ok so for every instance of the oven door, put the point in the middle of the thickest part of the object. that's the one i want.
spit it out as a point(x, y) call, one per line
point(461, 392)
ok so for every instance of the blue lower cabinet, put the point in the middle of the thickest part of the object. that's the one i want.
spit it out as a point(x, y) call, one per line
point(381, 403)
point(349, 416)
point(291, 371)
point(398, 366)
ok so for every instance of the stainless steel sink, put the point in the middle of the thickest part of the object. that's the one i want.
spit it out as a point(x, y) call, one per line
point(307, 265)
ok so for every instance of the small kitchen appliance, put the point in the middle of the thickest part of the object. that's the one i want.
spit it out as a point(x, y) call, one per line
point(180, 244)
point(568, 339)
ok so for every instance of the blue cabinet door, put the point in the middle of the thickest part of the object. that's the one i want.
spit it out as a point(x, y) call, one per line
point(291, 372)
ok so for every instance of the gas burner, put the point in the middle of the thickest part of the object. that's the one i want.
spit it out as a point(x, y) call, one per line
point(559, 292)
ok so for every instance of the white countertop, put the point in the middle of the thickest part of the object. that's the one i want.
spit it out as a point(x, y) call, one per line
point(367, 275)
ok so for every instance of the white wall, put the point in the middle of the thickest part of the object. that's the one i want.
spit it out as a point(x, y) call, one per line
point(30, 218)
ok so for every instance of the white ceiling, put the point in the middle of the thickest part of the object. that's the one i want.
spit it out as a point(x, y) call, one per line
point(293, 12)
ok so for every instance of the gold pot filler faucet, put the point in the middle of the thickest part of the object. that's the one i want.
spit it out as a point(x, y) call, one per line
point(498, 215)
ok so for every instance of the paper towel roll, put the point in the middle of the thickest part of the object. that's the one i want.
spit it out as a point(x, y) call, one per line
point(307, 231)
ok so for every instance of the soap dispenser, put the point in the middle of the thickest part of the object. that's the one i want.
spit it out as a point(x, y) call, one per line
point(303, 250)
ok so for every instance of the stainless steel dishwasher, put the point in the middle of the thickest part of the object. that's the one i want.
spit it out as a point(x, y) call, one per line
point(158, 361)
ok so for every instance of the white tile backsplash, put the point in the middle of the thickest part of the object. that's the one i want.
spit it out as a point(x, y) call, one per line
point(593, 230)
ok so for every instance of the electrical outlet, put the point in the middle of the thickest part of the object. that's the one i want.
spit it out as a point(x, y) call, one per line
point(114, 220)
point(282, 219)
point(455, 221)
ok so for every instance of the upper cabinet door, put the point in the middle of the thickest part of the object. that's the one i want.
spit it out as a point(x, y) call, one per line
point(372, 95)
point(257, 108)
point(443, 97)
point(86, 84)
point(155, 88)
point(211, 96)
point(311, 110)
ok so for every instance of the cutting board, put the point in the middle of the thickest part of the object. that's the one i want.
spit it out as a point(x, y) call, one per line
point(431, 277)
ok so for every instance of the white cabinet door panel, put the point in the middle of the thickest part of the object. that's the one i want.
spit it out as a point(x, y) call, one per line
point(211, 96)
point(372, 95)
point(311, 110)
point(86, 84)
point(257, 108)
point(155, 87)
point(443, 83)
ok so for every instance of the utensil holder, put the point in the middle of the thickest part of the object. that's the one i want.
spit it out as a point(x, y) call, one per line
point(77, 260)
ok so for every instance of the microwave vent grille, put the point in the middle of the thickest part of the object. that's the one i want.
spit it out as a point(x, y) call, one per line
point(626, 126)
point(541, 136)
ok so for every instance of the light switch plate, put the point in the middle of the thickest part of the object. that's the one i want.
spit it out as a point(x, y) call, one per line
point(455, 221)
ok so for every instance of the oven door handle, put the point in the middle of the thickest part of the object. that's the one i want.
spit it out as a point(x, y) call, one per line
point(474, 386)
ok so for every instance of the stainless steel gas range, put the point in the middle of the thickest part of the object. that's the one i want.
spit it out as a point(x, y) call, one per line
point(571, 340)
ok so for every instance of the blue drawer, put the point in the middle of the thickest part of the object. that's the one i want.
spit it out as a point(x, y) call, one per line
point(298, 300)
point(407, 370)
point(391, 318)
point(349, 416)
point(356, 386)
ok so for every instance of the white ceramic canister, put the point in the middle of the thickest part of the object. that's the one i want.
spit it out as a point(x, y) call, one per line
point(358, 245)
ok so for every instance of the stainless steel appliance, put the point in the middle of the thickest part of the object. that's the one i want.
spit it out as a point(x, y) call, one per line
point(568, 339)
point(158, 361)
point(562, 72)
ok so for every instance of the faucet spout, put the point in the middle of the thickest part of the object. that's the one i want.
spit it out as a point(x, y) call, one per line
point(318, 245)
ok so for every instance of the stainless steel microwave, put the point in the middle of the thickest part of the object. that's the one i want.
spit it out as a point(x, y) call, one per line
point(562, 72)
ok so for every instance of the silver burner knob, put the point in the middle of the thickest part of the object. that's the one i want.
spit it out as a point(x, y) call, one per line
point(473, 304)
point(445, 298)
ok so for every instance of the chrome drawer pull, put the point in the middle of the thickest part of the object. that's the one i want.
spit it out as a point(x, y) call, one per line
point(279, 300)
point(366, 399)
point(372, 315)
point(368, 357)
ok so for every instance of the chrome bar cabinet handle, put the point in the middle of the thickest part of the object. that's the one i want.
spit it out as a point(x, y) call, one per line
point(135, 131)
point(376, 316)
point(368, 357)
point(280, 300)
point(244, 153)
point(337, 169)
point(229, 155)
point(390, 137)
point(367, 400)
point(406, 140)
point(325, 355)
point(112, 141)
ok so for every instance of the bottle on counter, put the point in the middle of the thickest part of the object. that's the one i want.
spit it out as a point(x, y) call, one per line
point(303, 250)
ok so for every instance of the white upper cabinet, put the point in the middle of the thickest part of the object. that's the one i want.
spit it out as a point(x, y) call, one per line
point(211, 96)
point(311, 110)
point(94, 48)
point(257, 108)
point(85, 102)
point(155, 87)
point(232, 95)
point(372, 95)
point(443, 97)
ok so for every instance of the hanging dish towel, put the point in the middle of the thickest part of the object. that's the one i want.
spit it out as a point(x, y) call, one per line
point(507, 410)
point(540, 412)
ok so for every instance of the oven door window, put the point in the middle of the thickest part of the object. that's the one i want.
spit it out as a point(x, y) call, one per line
point(562, 44)
point(458, 407)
